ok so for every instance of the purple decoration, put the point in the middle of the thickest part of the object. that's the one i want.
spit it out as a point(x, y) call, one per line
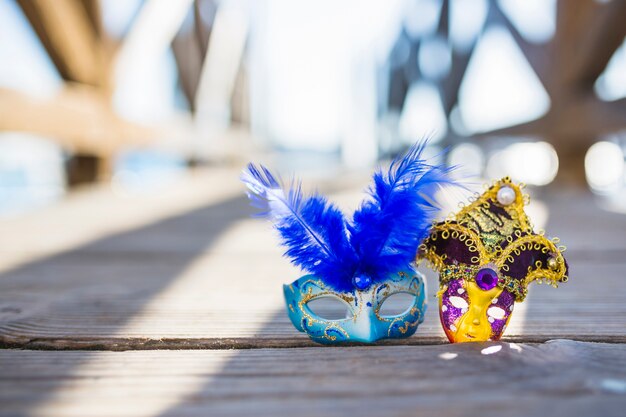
point(452, 314)
point(505, 302)
point(456, 251)
point(518, 269)
point(486, 279)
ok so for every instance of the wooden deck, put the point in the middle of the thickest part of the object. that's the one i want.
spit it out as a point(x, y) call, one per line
point(170, 304)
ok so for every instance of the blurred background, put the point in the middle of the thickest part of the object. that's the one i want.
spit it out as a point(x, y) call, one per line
point(137, 93)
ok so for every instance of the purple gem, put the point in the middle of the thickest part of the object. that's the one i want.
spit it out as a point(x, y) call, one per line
point(486, 279)
point(362, 282)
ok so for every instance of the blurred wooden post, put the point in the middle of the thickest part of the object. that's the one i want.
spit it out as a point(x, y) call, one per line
point(587, 35)
point(81, 118)
point(571, 155)
point(70, 31)
point(82, 169)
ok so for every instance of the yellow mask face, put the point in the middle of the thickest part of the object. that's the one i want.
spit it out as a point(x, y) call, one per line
point(482, 320)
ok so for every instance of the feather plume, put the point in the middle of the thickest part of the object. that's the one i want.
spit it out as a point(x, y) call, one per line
point(312, 229)
point(388, 227)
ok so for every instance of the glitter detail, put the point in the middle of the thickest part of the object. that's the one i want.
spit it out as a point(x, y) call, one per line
point(488, 233)
point(451, 314)
point(505, 302)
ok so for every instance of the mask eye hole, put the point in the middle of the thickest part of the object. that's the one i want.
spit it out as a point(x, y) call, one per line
point(458, 302)
point(330, 308)
point(397, 304)
point(496, 312)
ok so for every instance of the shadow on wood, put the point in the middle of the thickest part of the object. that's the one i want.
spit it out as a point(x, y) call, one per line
point(108, 281)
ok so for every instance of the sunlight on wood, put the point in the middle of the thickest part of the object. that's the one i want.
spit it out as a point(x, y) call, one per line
point(77, 220)
point(150, 398)
point(232, 281)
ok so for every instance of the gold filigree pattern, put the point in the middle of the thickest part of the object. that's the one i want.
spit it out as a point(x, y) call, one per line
point(326, 293)
point(495, 234)
point(329, 336)
point(406, 326)
point(416, 292)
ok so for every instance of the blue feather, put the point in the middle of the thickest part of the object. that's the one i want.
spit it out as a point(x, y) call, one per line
point(312, 229)
point(384, 233)
point(388, 227)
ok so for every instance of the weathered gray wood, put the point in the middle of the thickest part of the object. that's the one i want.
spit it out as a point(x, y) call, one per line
point(559, 378)
point(203, 274)
point(137, 313)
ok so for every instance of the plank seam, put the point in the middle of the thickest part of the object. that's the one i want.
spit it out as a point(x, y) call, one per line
point(246, 343)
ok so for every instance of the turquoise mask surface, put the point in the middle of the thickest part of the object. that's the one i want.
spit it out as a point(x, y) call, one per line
point(364, 322)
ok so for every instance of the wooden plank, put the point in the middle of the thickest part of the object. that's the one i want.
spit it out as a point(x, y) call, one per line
point(91, 312)
point(205, 275)
point(77, 220)
point(559, 378)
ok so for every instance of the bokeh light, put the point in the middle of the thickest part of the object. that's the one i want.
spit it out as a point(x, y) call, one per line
point(500, 88)
point(611, 85)
point(534, 163)
point(604, 166)
point(423, 114)
point(470, 159)
point(535, 19)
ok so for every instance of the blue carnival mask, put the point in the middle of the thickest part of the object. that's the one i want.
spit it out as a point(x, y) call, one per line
point(365, 322)
point(361, 262)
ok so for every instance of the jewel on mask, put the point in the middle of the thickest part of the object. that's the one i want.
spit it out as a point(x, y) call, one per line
point(486, 278)
point(362, 282)
point(506, 195)
point(381, 238)
point(552, 263)
point(491, 251)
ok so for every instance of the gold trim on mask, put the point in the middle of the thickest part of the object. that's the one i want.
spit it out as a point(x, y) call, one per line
point(496, 234)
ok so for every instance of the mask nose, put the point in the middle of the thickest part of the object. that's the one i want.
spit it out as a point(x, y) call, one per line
point(476, 322)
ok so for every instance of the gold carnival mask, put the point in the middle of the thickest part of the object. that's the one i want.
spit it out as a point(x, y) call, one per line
point(486, 256)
